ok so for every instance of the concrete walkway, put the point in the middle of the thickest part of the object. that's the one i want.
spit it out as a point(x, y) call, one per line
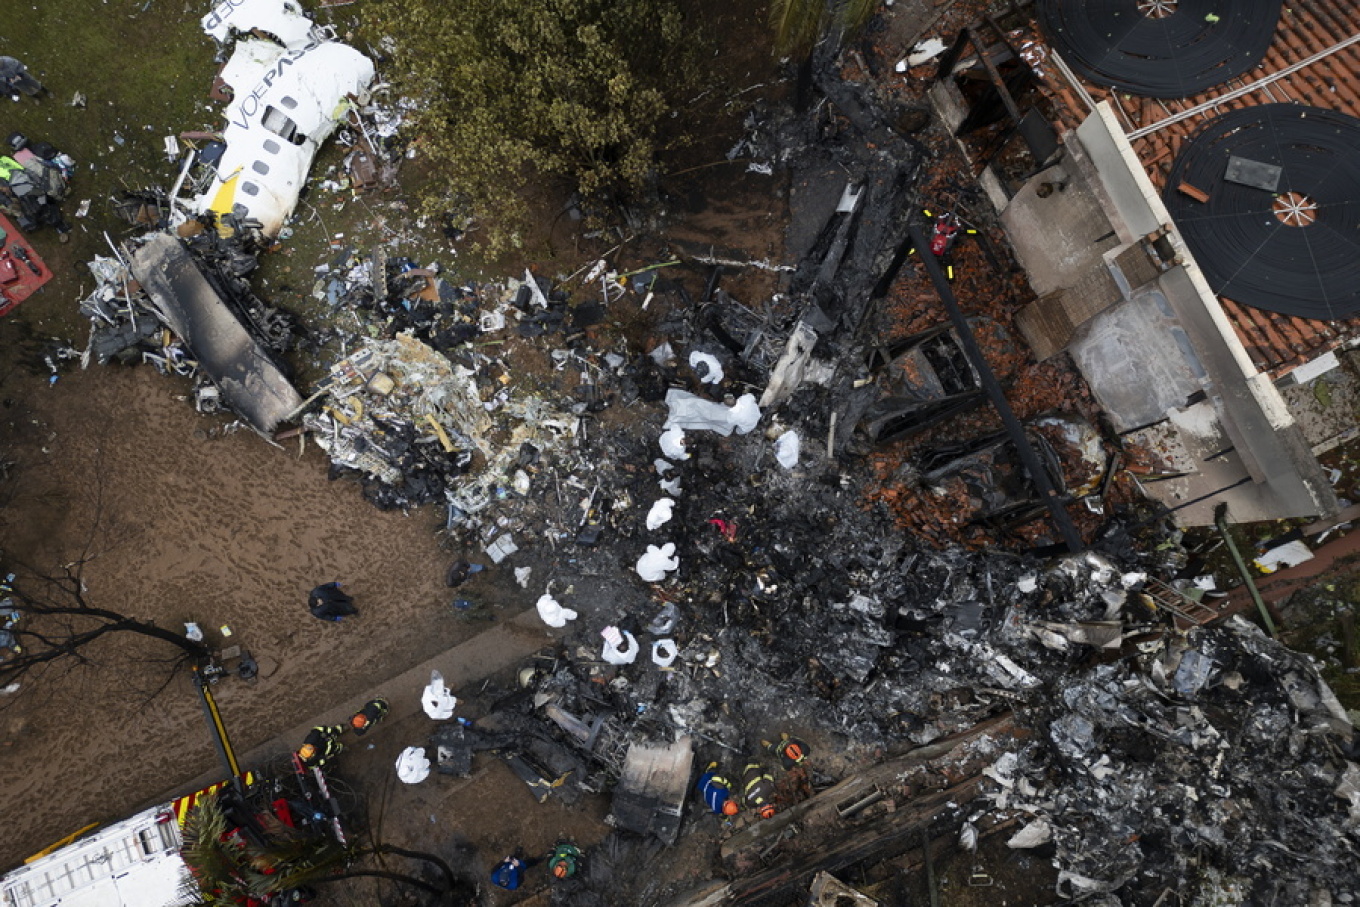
point(509, 642)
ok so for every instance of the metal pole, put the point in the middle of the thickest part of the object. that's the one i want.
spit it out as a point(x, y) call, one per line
point(219, 731)
point(1221, 521)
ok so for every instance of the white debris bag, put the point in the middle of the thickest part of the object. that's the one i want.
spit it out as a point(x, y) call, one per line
point(1032, 835)
point(792, 366)
point(711, 371)
point(502, 547)
point(697, 414)
point(620, 646)
point(660, 514)
point(925, 51)
point(438, 699)
point(553, 614)
point(657, 562)
point(786, 449)
point(413, 766)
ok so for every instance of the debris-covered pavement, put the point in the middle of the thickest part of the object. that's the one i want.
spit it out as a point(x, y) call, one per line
point(803, 509)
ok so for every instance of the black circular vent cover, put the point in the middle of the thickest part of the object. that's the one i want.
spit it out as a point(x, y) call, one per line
point(1293, 248)
point(1159, 48)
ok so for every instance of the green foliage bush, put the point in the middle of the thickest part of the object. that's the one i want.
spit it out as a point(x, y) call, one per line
point(513, 92)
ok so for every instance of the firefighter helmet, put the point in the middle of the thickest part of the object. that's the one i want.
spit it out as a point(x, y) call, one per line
point(307, 752)
point(729, 808)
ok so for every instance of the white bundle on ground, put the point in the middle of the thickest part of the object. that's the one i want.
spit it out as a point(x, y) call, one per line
point(712, 371)
point(786, 449)
point(660, 514)
point(553, 614)
point(615, 653)
point(657, 562)
point(438, 699)
point(673, 443)
point(664, 652)
point(413, 766)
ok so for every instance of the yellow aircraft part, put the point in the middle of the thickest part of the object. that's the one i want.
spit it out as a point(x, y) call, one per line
point(223, 201)
point(439, 430)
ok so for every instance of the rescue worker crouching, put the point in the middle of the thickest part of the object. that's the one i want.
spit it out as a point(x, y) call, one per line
point(790, 751)
point(716, 792)
point(321, 744)
point(372, 712)
point(757, 787)
point(565, 861)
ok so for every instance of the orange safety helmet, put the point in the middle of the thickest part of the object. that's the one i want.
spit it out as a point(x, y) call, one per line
point(730, 807)
point(307, 752)
point(359, 721)
point(793, 752)
point(560, 869)
point(766, 811)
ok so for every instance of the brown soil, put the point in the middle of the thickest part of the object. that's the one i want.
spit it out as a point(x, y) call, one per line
point(182, 521)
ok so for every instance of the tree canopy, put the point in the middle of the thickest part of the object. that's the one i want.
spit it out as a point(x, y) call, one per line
point(515, 91)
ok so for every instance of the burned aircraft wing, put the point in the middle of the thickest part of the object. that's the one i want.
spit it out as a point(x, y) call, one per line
point(251, 384)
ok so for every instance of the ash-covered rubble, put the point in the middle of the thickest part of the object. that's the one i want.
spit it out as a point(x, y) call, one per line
point(790, 603)
point(1215, 763)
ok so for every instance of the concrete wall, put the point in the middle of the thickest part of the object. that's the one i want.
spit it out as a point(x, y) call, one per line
point(1262, 443)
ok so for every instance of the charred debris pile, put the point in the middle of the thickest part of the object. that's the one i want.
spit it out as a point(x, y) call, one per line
point(693, 508)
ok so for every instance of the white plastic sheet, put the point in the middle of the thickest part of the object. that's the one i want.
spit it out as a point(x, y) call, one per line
point(697, 414)
point(787, 448)
point(1032, 835)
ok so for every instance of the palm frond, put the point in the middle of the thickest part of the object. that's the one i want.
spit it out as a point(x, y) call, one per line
point(211, 866)
point(797, 25)
point(851, 15)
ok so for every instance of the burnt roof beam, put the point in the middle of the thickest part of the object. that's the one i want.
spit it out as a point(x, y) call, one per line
point(1052, 498)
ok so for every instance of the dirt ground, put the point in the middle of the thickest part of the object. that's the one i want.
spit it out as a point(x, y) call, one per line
point(185, 522)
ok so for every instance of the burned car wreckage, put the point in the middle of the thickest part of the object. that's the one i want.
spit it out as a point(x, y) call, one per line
point(1050, 697)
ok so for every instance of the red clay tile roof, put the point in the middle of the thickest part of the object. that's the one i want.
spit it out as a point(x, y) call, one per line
point(1276, 343)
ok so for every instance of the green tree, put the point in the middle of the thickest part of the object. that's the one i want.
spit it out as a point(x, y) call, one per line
point(799, 24)
point(513, 92)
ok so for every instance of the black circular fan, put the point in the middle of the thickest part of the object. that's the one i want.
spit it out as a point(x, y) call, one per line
point(1281, 227)
point(1159, 48)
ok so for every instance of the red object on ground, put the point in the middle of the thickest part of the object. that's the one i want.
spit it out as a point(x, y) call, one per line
point(13, 250)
